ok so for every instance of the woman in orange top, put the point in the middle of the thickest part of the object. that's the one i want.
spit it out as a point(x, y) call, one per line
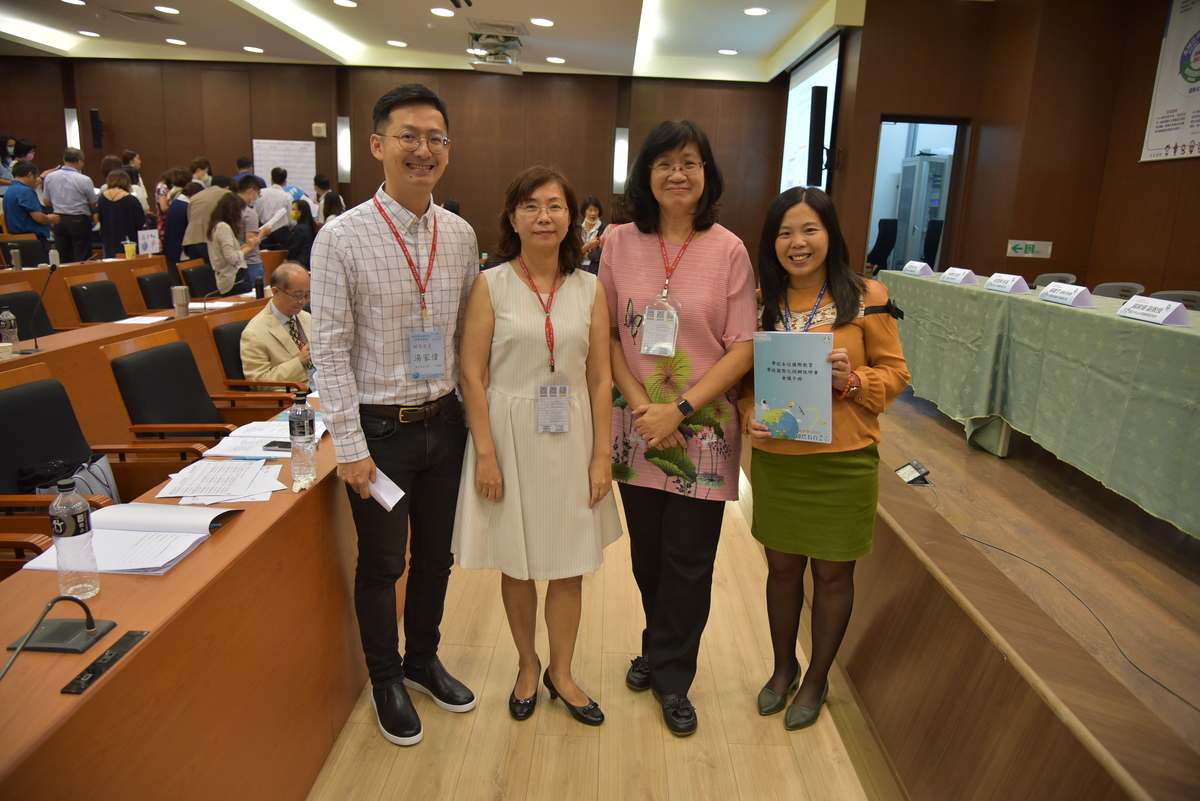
point(816, 501)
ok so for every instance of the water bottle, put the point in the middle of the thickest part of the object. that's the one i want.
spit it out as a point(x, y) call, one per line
point(71, 530)
point(8, 326)
point(301, 425)
point(14, 257)
point(54, 257)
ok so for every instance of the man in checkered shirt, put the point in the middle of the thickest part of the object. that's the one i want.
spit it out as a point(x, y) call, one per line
point(390, 279)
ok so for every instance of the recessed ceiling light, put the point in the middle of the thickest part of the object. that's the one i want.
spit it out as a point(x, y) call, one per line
point(176, 42)
point(556, 60)
point(345, 3)
point(545, 23)
point(395, 43)
point(727, 52)
point(166, 9)
point(441, 12)
point(88, 33)
point(75, 2)
point(755, 11)
point(252, 49)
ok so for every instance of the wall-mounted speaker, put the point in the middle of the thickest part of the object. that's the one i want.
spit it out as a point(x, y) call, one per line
point(97, 129)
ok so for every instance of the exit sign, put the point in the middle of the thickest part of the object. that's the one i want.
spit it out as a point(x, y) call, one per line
point(1028, 249)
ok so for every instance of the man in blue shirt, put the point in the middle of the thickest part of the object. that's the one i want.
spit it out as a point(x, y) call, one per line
point(246, 167)
point(22, 211)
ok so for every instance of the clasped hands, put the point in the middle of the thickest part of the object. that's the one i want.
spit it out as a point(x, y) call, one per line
point(658, 424)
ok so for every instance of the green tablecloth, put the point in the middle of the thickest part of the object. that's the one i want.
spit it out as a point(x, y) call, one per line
point(1116, 398)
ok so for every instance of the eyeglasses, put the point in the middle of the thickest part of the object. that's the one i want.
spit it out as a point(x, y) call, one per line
point(663, 169)
point(410, 141)
point(533, 210)
point(304, 297)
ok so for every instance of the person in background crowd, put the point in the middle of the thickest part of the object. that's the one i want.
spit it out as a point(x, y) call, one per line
point(228, 258)
point(201, 171)
point(7, 146)
point(72, 196)
point(200, 209)
point(296, 192)
point(332, 205)
point(23, 213)
point(107, 165)
point(271, 201)
point(450, 205)
point(247, 189)
point(176, 224)
point(275, 341)
point(246, 167)
point(24, 149)
point(121, 215)
point(590, 232)
point(169, 186)
point(322, 185)
point(300, 240)
point(130, 158)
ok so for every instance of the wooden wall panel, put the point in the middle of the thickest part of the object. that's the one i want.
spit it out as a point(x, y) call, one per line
point(225, 99)
point(31, 105)
point(128, 95)
point(183, 115)
point(285, 100)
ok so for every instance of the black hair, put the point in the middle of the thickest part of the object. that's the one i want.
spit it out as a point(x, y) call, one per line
point(223, 181)
point(410, 94)
point(570, 250)
point(22, 168)
point(132, 172)
point(321, 181)
point(244, 163)
point(247, 182)
point(588, 202)
point(23, 148)
point(193, 188)
point(845, 285)
point(332, 205)
point(127, 156)
point(451, 205)
point(6, 159)
point(639, 197)
point(306, 215)
point(278, 175)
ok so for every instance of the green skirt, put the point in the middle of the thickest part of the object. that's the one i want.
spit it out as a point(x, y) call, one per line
point(821, 505)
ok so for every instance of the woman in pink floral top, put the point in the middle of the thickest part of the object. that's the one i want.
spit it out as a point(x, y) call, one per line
point(676, 434)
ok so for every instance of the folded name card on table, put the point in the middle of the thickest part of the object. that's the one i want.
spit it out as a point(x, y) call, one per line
point(199, 305)
point(918, 268)
point(1156, 310)
point(1010, 284)
point(960, 276)
point(1068, 295)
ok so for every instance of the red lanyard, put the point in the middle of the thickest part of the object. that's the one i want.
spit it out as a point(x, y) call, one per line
point(421, 285)
point(546, 306)
point(670, 268)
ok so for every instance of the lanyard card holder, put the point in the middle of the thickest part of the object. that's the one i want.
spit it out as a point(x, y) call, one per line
point(660, 327)
point(427, 355)
point(553, 409)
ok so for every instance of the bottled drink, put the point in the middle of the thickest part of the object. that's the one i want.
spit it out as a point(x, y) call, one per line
point(8, 326)
point(54, 257)
point(14, 257)
point(301, 425)
point(71, 530)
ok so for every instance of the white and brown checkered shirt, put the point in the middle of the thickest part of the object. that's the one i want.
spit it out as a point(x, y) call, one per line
point(365, 303)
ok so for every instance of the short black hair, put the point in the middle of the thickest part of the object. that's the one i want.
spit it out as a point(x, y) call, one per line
point(22, 168)
point(451, 205)
point(247, 182)
point(278, 175)
point(223, 181)
point(244, 163)
point(321, 181)
point(410, 94)
point(639, 197)
point(23, 148)
point(73, 155)
point(588, 202)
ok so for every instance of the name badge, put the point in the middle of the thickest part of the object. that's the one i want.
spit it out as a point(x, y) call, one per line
point(1068, 295)
point(1009, 284)
point(960, 276)
point(553, 409)
point(427, 355)
point(918, 268)
point(660, 327)
point(1156, 310)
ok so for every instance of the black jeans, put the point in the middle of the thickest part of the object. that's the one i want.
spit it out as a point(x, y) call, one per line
point(425, 460)
point(199, 251)
point(673, 545)
point(73, 237)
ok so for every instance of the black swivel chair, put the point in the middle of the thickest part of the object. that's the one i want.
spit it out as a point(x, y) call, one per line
point(933, 240)
point(201, 280)
point(33, 251)
point(98, 302)
point(156, 290)
point(885, 241)
point(31, 315)
point(227, 336)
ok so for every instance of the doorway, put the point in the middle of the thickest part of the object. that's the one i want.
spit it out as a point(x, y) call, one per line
point(912, 188)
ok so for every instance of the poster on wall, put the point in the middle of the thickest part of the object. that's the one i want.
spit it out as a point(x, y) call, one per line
point(297, 157)
point(1173, 131)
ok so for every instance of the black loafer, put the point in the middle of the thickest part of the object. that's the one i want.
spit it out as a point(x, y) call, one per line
point(638, 676)
point(678, 714)
point(522, 709)
point(435, 681)
point(589, 715)
point(398, 720)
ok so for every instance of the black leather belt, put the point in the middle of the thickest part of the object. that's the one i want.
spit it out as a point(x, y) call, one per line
point(408, 414)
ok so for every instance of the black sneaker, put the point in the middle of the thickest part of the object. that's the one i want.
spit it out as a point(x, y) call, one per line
point(396, 715)
point(678, 714)
point(435, 681)
point(638, 676)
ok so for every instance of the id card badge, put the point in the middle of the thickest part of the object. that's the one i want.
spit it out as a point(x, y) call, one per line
point(553, 409)
point(660, 327)
point(427, 355)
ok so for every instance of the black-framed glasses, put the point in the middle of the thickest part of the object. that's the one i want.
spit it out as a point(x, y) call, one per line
point(410, 141)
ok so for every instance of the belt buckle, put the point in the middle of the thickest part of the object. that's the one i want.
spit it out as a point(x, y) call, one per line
point(404, 409)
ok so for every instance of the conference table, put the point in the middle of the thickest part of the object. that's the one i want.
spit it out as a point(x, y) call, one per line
point(1118, 399)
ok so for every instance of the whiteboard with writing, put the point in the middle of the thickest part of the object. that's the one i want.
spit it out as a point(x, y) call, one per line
point(297, 157)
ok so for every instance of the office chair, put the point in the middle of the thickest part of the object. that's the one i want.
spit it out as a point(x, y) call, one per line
point(1189, 298)
point(1047, 278)
point(200, 279)
point(155, 286)
point(227, 330)
point(96, 298)
point(933, 240)
point(1119, 289)
point(32, 321)
point(885, 241)
point(33, 252)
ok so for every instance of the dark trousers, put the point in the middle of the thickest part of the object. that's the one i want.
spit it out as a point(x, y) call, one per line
point(73, 237)
point(673, 545)
point(199, 251)
point(425, 460)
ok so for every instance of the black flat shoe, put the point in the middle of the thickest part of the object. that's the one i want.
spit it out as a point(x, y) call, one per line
point(397, 717)
point(678, 714)
point(589, 715)
point(638, 676)
point(435, 681)
point(523, 709)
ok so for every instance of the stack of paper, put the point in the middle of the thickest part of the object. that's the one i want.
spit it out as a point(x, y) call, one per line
point(248, 441)
point(143, 538)
point(208, 482)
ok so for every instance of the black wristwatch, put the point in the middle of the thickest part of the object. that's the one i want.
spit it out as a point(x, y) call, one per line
point(684, 408)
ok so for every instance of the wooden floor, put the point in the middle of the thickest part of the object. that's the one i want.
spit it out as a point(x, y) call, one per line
point(1139, 574)
point(736, 754)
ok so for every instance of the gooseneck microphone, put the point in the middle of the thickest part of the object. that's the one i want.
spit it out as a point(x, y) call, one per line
point(37, 306)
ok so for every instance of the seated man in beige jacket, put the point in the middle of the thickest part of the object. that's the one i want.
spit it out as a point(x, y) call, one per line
point(275, 341)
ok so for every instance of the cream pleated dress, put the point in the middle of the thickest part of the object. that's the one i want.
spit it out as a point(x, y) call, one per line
point(542, 529)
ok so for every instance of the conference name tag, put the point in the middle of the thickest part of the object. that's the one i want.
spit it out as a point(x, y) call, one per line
point(1068, 295)
point(918, 268)
point(1010, 284)
point(427, 355)
point(660, 327)
point(960, 276)
point(1156, 310)
point(553, 409)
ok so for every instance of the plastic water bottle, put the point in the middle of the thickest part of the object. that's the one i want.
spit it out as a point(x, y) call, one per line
point(71, 530)
point(8, 326)
point(302, 427)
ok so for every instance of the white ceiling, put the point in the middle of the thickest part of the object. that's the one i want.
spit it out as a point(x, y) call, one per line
point(652, 38)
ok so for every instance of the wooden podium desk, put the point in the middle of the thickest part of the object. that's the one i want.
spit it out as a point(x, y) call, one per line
point(60, 307)
point(251, 667)
point(74, 359)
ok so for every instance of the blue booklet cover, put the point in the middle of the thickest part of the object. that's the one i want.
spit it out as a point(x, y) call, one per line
point(793, 390)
